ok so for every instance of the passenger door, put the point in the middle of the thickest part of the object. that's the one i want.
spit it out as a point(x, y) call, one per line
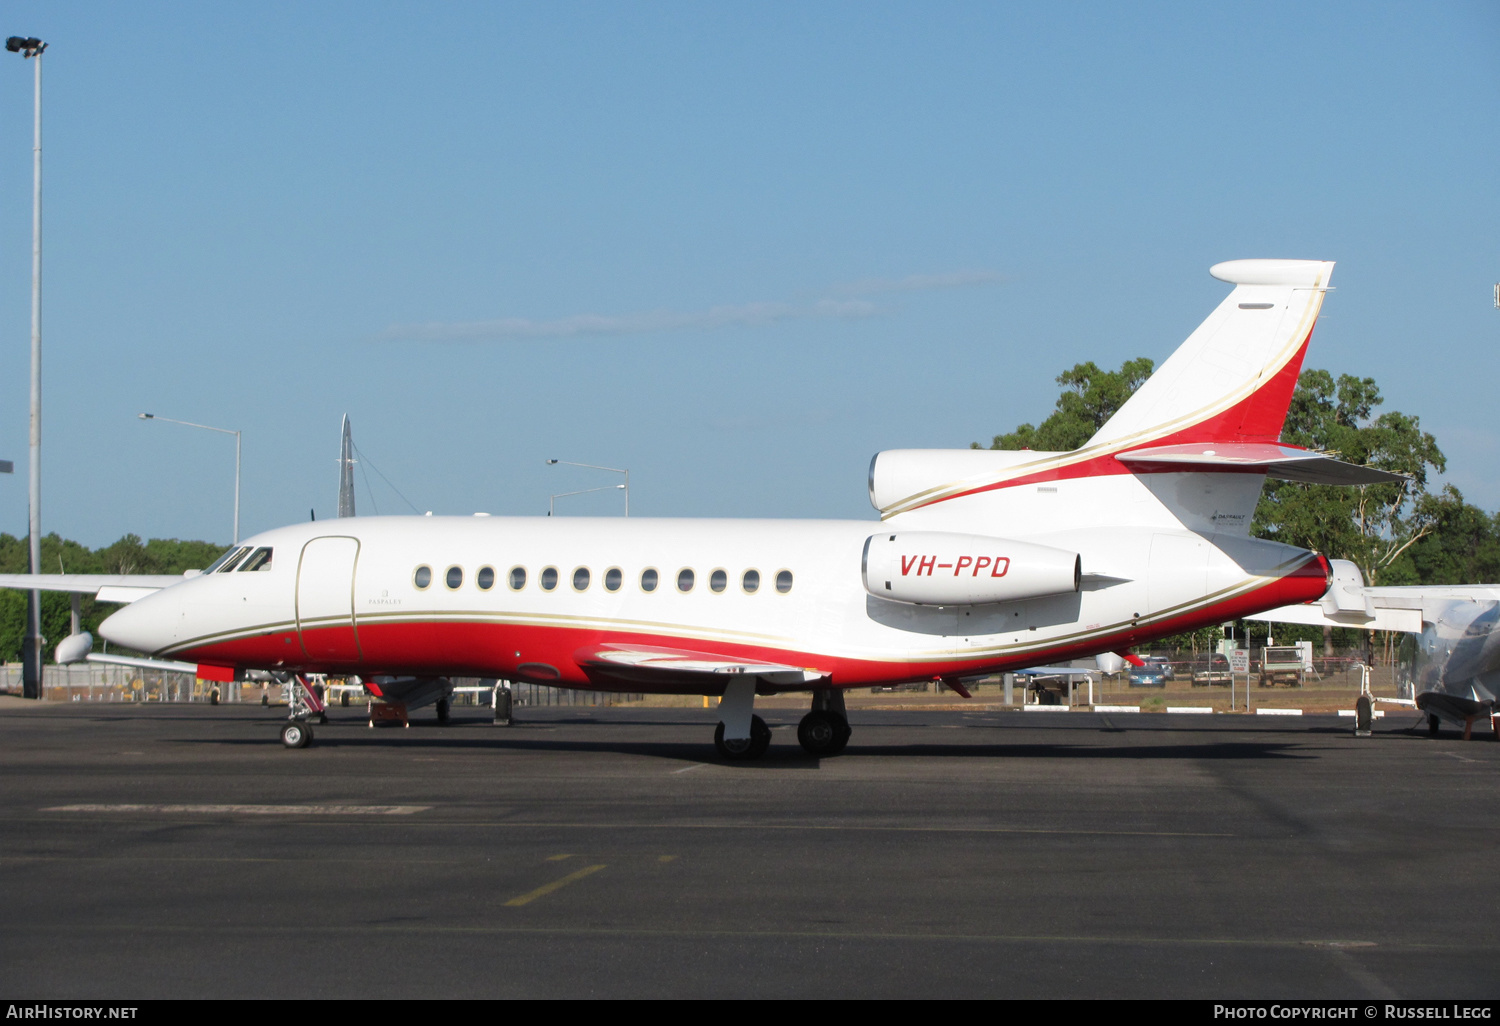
point(325, 599)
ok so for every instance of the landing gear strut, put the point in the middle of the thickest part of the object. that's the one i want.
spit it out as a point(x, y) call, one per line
point(825, 730)
point(1433, 725)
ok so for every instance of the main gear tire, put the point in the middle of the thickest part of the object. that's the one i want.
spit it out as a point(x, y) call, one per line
point(752, 747)
point(823, 733)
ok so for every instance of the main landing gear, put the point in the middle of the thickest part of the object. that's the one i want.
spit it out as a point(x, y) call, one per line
point(741, 734)
point(752, 747)
point(825, 730)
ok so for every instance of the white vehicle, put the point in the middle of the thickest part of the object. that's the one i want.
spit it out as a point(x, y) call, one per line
point(982, 561)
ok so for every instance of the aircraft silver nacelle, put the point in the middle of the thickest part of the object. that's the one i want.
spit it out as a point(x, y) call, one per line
point(941, 569)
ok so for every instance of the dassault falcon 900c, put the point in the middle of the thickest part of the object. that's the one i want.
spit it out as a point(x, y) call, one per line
point(982, 561)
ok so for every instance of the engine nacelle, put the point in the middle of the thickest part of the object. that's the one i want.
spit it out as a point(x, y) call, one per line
point(935, 568)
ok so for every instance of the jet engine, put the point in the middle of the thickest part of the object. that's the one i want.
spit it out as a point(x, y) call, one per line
point(940, 569)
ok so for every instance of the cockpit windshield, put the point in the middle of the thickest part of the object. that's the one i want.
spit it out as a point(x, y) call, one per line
point(225, 563)
point(260, 559)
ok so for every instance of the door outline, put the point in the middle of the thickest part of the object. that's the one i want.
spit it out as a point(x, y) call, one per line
point(353, 572)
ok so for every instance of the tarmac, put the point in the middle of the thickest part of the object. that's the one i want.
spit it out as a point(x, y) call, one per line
point(180, 851)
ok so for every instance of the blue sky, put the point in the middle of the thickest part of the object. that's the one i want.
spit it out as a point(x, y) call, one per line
point(735, 248)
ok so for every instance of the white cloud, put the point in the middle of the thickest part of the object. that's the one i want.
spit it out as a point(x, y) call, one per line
point(836, 306)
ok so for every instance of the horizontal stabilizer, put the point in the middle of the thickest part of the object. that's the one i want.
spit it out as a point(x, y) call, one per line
point(1285, 462)
point(649, 662)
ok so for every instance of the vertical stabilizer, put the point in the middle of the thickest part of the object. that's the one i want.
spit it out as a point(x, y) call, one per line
point(1232, 380)
point(346, 472)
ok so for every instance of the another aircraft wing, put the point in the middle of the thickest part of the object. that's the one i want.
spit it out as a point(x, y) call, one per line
point(1286, 462)
point(105, 587)
point(648, 663)
point(1350, 603)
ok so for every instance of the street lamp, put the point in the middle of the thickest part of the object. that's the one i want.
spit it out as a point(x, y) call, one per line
point(31, 659)
point(592, 466)
point(224, 431)
point(582, 491)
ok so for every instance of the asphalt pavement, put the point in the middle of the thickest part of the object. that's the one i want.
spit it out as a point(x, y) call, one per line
point(181, 851)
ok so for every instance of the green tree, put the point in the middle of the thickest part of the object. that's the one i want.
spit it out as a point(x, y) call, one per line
point(1090, 397)
point(1372, 525)
point(129, 555)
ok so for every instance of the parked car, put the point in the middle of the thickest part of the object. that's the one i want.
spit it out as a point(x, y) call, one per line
point(1163, 663)
point(1149, 674)
point(1281, 665)
point(1217, 673)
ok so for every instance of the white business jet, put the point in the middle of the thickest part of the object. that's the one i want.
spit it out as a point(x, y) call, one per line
point(982, 561)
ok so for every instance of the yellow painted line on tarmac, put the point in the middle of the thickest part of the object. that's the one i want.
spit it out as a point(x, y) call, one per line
point(557, 858)
point(546, 889)
point(665, 858)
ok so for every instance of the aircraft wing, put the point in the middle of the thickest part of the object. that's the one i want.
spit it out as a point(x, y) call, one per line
point(1286, 462)
point(651, 663)
point(1349, 602)
point(104, 587)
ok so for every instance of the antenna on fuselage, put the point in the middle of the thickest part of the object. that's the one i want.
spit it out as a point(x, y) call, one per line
point(346, 472)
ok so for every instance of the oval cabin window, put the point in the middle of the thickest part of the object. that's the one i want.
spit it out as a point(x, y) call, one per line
point(684, 580)
point(549, 578)
point(517, 578)
point(649, 579)
point(784, 581)
point(581, 579)
point(454, 578)
point(718, 581)
point(613, 578)
point(422, 577)
point(485, 578)
point(751, 582)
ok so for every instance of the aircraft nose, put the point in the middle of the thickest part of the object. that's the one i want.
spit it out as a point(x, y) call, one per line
point(140, 626)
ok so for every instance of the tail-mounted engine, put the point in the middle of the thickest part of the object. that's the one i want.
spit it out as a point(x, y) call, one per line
point(941, 569)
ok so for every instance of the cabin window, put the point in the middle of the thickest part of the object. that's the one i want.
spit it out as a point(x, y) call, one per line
point(581, 579)
point(422, 577)
point(260, 559)
point(549, 578)
point(454, 578)
point(226, 557)
point(613, 578)
point(685, 580)
point(649, 577)
point(718, 581)
point(784, 581)
point(485, 578)
point(750, 582)
point(517, 578)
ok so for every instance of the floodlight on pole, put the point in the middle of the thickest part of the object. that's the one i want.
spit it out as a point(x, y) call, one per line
point(595, 466)
point(31, 669)
point(225, 431)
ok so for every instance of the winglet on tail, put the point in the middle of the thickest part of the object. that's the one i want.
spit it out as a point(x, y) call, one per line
point(1232, 380)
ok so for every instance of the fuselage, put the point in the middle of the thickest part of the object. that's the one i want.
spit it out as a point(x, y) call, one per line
point(443, 596)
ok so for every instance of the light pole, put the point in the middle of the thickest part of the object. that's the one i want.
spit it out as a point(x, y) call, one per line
point(223, 431)
point(592, 466)
point(582, 491)
point(31, 658)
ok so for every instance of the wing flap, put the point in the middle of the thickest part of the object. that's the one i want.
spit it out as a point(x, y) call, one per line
point(651, 663)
